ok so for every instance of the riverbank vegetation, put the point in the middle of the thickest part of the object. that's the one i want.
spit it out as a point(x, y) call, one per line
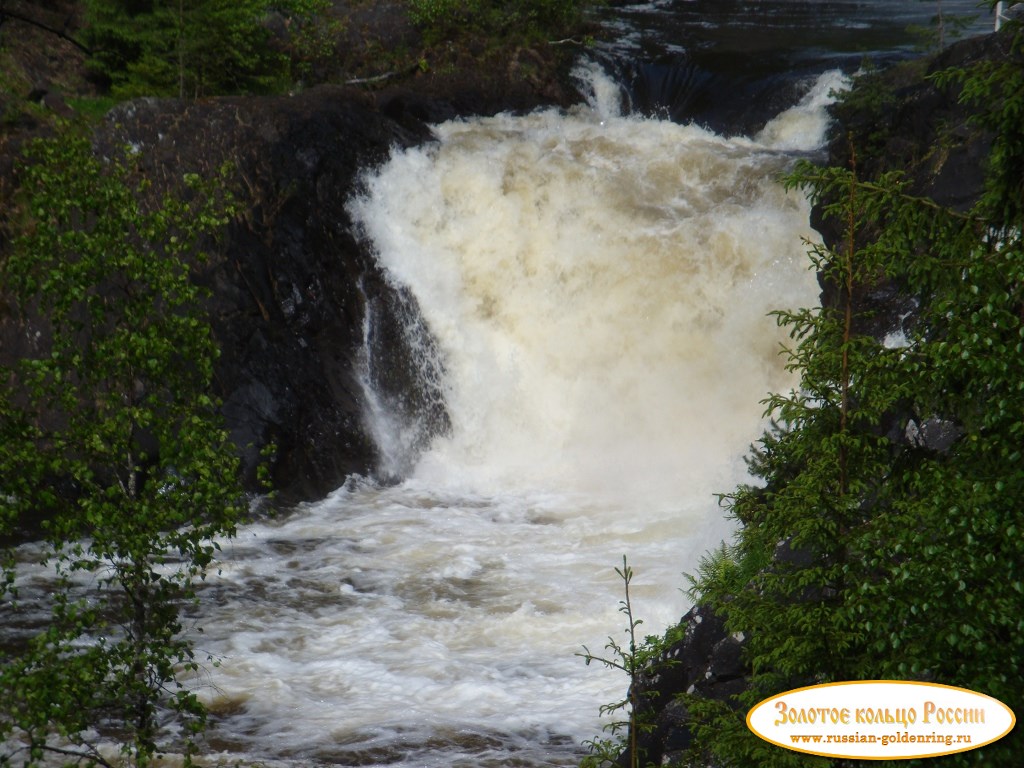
point(196, 48)
point(885, 539)
point(111, 445)
point(522, 20)
point(98, 52)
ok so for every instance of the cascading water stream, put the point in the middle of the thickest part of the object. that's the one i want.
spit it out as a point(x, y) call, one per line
point(733, 64)
point(597, 287)
point(589, 278)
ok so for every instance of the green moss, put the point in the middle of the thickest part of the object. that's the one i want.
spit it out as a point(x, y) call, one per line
point(93, 108)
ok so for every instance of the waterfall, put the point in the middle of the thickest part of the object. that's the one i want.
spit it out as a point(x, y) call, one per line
point(598, 286)
point(595, 288)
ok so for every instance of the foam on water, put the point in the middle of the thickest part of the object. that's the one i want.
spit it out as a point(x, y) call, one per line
point(804, 125)
point(590, 279)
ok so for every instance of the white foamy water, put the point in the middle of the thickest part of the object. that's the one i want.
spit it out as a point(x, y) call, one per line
point(598, 287)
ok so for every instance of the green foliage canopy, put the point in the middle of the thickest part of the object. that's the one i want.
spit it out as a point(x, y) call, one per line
point(882, 552)
point(194, 48)
point(448, 19)
point(108, 434)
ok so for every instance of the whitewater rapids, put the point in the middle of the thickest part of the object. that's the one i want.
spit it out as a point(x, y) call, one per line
point(598, 288)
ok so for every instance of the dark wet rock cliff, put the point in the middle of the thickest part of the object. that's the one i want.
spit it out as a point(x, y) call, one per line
point(290, 288)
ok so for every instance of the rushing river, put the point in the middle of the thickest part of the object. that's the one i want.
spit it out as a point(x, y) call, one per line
point(733, 64)
point(598, 285)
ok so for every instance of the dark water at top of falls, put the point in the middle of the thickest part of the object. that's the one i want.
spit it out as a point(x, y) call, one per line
point(733, 64)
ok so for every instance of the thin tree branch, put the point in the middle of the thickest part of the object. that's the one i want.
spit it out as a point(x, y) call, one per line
point(8, 14)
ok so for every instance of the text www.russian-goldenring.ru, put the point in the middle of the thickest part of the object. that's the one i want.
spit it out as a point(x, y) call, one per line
point(885, 739)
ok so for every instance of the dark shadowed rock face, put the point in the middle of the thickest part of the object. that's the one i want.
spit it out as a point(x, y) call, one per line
point(291, 287)
point(706, 661)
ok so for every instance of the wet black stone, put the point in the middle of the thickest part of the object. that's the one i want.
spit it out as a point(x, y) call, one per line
point(290, 287)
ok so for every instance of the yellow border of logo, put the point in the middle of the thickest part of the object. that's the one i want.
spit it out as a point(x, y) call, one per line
point(840, 717)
